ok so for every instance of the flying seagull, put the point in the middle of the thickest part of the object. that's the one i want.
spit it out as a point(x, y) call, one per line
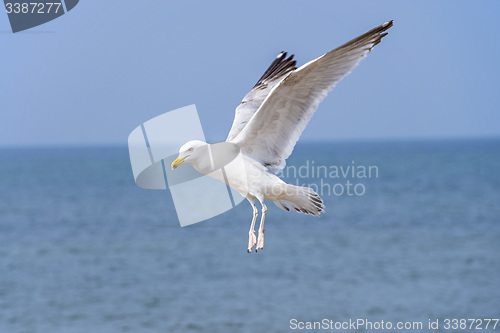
point(269, 122)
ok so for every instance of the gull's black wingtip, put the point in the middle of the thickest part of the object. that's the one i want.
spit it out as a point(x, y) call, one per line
point(279, 67)
point(380, 31)
point(388, 24)
point(384, 27)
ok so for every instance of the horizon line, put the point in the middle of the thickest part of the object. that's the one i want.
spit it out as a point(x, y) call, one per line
point(305, 141)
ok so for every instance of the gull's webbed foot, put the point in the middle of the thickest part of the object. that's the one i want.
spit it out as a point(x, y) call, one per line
point(260, 243)
point(251, 240)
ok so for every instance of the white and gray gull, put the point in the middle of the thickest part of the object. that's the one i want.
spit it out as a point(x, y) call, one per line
point(269, 122)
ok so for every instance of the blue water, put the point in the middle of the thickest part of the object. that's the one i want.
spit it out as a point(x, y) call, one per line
point(82, 249)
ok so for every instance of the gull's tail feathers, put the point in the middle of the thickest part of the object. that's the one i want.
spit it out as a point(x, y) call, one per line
point(302, 200)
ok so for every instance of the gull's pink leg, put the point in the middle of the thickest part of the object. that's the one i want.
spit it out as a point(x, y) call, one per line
point(251, 232)
point(260, 243)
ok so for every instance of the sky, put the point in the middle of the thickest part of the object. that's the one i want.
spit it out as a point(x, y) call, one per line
point(94, 74)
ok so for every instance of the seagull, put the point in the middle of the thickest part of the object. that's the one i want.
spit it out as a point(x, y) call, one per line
point(268, 124)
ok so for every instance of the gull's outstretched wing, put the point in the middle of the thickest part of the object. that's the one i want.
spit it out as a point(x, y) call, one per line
point(272, 132)
point(280, 67)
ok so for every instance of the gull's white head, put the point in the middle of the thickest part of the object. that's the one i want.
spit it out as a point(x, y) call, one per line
point(190, 152)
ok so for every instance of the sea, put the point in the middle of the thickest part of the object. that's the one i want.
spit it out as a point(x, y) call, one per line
point(417, 240)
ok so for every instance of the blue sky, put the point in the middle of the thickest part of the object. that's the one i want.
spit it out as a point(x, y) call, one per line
point(94, 74)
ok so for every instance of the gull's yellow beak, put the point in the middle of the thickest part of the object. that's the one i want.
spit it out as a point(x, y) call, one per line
point(177, 162)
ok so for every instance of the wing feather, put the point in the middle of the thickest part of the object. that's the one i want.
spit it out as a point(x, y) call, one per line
point(279, 68)
point(273, 130)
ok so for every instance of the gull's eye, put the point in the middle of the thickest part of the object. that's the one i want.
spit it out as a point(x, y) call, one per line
point(191, 149)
